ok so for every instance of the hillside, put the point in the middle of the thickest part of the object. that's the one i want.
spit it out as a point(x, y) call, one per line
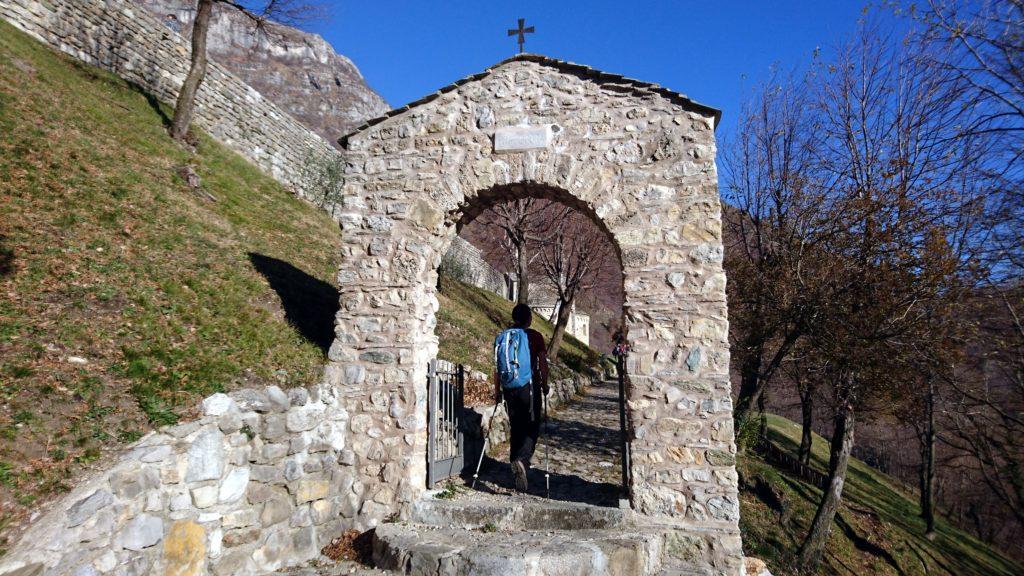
point(127, 295)
point(877, 531)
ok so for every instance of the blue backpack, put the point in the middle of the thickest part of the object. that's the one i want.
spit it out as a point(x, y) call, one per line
point(512, 358)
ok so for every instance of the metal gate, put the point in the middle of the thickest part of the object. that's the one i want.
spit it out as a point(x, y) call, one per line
point(445, 388)
point(624, 432)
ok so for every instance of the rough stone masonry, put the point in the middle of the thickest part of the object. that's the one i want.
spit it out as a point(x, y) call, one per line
point(636, 157)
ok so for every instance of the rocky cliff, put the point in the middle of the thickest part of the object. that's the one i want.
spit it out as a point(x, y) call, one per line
point(298, 71)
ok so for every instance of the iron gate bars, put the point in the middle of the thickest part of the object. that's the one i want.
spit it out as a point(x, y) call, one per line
point(445, 450)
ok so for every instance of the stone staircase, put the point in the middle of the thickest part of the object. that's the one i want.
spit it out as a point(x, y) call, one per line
point(519, 535)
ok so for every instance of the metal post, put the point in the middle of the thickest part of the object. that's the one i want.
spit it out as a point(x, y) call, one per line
point(431, 420)
point(622, 424)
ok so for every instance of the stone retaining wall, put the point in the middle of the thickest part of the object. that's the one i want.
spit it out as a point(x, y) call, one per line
point(466, 263)
point(127, 41)
point(261, 481)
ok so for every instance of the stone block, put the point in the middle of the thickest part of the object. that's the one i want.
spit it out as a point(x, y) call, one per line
point(141, 532)
point(233, 487)
point(204, 496)
point(309, 489)
point(303, 418)
point(218, 405)
point(206, 456)
point(184, 550)
point(84, 509)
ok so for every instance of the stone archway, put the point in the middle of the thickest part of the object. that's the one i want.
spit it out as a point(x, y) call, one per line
point(637, 157)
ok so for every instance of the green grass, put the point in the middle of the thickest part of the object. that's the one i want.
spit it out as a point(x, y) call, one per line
point(878, 529)
point(107, 255)
point(469, 319)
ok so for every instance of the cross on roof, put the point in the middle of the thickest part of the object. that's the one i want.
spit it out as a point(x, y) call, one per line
point(522, 32)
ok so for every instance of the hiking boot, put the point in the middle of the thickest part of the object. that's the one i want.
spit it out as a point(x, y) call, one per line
point(519, 474)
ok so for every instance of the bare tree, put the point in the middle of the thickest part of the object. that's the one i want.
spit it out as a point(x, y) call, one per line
point(526, 225)
point(892, 152)
point(981, 47)
point(573, 262)
point(987, 423)
point(805, 370)
point(261, 14)
point(768, 179)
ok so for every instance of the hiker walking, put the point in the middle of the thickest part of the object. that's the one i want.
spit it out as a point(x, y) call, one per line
point(521, 378)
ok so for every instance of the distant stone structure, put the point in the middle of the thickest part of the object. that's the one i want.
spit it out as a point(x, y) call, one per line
point(466, 263)
point(579, 322)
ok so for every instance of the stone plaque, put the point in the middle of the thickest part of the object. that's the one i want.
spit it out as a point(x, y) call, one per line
point(516, 138)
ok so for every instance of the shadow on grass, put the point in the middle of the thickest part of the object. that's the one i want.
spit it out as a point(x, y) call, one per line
point(309, 303)
point(153, 103)
point(6, 258)
point(865, 545)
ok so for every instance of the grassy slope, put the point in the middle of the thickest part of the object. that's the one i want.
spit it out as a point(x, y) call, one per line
point(470, 318)
point(878, 531)
point(107, 255)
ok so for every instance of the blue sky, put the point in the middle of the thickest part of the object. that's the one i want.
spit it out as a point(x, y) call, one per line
point(711, 51)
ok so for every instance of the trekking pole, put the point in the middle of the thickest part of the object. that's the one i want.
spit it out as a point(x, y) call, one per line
point(547, 450)
point(483, 449)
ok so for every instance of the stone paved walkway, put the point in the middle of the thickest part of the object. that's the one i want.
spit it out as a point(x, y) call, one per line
point(583, 440)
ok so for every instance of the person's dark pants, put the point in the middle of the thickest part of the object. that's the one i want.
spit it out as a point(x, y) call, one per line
point(524, 416)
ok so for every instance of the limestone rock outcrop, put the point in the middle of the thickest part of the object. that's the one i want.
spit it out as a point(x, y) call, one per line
point(298, 71)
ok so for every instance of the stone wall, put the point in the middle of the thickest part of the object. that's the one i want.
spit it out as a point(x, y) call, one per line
point(126, 40)
point(261, 481)
point(640, 161)
point(466, 263)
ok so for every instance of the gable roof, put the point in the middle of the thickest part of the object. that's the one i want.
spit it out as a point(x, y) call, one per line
point(637, 86)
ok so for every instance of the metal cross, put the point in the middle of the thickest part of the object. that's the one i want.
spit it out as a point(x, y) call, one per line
point(522, 32)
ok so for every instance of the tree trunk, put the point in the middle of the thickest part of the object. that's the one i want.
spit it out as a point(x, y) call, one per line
point(839, 458)
point(928, 463)
point(803, 454)
point(564, 311)
point(522, 275)
point(751, 387)
point(763, 418)
point(197, 71)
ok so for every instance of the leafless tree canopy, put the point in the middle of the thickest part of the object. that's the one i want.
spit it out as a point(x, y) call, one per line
point(573, 261)
point(863, 211)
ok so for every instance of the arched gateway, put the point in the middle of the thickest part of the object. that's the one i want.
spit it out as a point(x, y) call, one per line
point(637, 157)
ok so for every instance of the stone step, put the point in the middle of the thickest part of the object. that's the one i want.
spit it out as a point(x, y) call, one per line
point(421, 550)
point(515, 514)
